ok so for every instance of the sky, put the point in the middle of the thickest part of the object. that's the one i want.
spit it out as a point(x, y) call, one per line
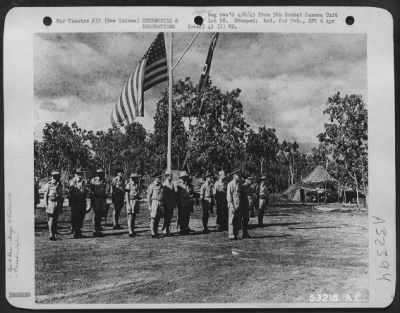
point(285, 78)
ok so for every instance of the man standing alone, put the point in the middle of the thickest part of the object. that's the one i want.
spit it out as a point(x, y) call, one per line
point(155, 200)
point(117, 196)
point(233, 196)
point(132, 202)
point(206, 200)
point(77, 200)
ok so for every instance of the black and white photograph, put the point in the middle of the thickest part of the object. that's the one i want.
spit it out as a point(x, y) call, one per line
point(256, 192)
point(199, 158)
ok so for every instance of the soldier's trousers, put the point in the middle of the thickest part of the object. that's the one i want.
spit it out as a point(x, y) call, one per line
point(234, 222)
point(156, 211)
point(206, 206)
point(99, 208)
point(168, 213)
point(78, 211)
point(118, 201)
point(185, 217)
point(222, 213)
point(245, 217)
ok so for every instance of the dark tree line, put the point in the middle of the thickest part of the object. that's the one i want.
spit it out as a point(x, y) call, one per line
point(211, 133)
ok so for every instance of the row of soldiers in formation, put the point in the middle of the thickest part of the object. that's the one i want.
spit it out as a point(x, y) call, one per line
point(235, 202)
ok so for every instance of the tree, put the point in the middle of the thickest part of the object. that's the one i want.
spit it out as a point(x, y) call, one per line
point(217, 128)
point(263, 147)
point(64, 147)
point(346, 136)
point(289, 151)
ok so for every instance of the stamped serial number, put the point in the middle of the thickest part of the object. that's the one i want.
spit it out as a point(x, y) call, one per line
point(323, 297)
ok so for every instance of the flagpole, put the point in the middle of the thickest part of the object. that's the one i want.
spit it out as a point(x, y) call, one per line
point(169, 156)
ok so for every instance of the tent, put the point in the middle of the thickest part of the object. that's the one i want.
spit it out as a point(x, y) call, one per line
point(314, 183)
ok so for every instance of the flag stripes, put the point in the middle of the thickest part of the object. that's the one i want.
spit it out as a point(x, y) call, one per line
point(151, 70)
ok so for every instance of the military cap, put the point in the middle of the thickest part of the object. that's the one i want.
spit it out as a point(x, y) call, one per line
point(157, 175)
point(133, 175)
point(263, 177)
point(221, 173)
point(183, 174)
point(249, 178)
point(168, 173)
point(119, 170)
point(100, 171)
point(55, 172)
point(78, 170)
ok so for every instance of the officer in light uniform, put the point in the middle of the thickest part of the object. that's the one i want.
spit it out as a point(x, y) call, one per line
point(53, 197)
point(221, 204)
point(245, 207)
point(233, 196)
point(132, 202)
point(170, 193)
point(118, 197)
point(98, 189)
point(77, 200)
point(263, 199)
point(155, 199)
point(184, 202)
point(206, 200)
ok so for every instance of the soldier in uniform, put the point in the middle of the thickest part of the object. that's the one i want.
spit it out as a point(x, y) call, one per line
point(77, 200)
point(263, 199)
point(53, 199)
point(206, 200)
point(245, 207)
point(184, 202)
point(117, 197)
point(221, 204)
point(98, 189)
point(170, 192)
point(132, 202)
point(252, 196)
point(233, 196)
point(155, 199)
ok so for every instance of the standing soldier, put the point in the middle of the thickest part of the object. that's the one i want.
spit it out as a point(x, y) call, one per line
point(245, 207)
point(132, 202)
point(206, 200)
point(184, 202)
point(233, 196)
point(77, 201)
point(263, 199)
point(53, 199)
point(222, 205)
point(155, 199)
point(169, 202)
point(98, 188)
point(252, 196)
point(117, 197)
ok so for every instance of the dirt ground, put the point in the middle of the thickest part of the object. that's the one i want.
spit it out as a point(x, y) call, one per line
point(298, 254)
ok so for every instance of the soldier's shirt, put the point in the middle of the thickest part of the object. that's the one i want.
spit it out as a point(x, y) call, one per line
point(99, 187)
point(155, 192)
point(206, 191)
point(184, 194)
point(77, 188)
point(220, 186)
point(118, 184)
point(133, 190)
point(170, 194)
point(262, 191)
point(54, 190)
point(233, 194)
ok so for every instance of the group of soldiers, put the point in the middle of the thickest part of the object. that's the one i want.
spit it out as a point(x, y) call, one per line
point(235, 201)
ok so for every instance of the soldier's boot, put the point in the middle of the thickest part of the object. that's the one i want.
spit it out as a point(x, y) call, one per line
point(245, 229)
point(260, 220)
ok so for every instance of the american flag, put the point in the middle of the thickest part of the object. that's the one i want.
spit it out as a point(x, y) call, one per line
point(151, 70)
